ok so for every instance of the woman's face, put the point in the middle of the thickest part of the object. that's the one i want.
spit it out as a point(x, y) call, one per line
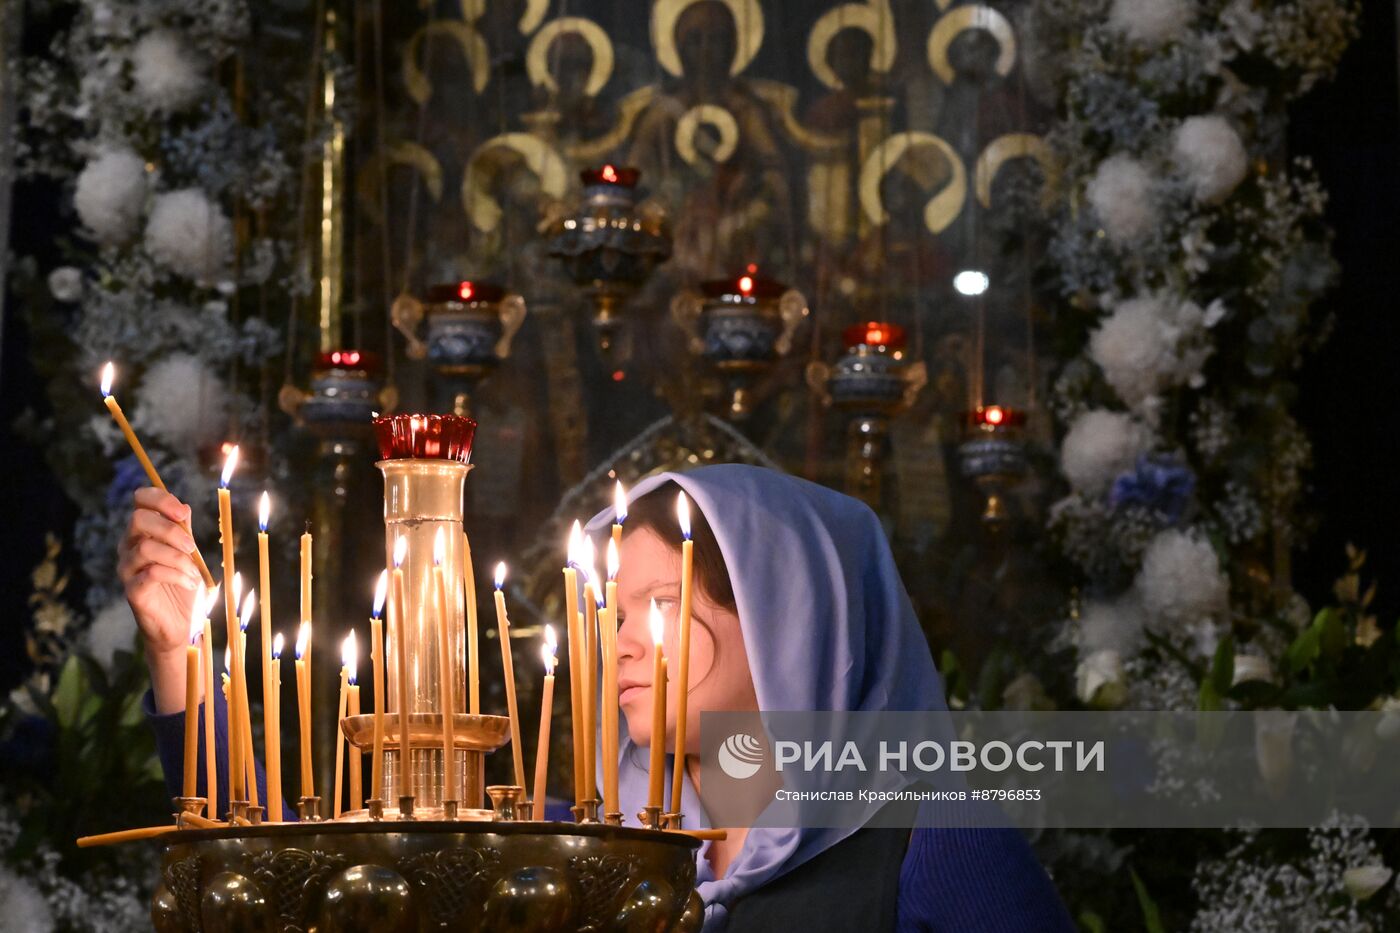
point(719, 667)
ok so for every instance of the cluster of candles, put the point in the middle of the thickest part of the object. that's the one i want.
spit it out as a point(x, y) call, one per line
point(591, 624)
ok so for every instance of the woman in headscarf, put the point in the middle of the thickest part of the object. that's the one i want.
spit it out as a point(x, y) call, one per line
point(799, 606)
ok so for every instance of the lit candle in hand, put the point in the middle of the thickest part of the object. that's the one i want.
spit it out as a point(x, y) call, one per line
point(376, 649)
point(550, 649)
point(683, 675)
point(274, 735)
point(108, 374)
point(503, 629)
point(657, 772)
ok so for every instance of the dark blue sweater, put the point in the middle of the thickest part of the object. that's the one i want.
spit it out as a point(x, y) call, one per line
point(969, 880)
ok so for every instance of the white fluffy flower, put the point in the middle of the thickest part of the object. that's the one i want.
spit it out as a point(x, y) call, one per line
point(1099, 680)
point(1363, 882)
point(1210, 153)
point(1121, 194)
point(1180, 581)
point(110, 194)
point(1150, 22)
point(1111, 626)
point(112, 630)
point(167, 74)
point(66, 284)
point(25, 911)
point(1148, 344)
point(181, 403)
point(188, 234)
point(1099, 446)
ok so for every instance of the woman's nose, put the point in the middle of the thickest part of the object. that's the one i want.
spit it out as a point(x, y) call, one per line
point(632, 637)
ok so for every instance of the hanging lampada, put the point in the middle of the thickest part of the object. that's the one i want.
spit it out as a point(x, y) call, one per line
point(993, 456)
point(346, 389)
point(466, 331)
point(741, 326)
point(872, 382)
point(609, 245)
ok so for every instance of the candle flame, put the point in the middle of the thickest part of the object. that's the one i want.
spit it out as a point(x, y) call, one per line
point(278, 643)
point(587, 558)
point(500, 574)
point(264, 510)
point(439, 548)
point(400, 551)
point(619, 503)
point(249, 604)
point(575, 542)
point(381, 590)
point(227, 665)
point(548, 649)
point(613, 559)
point(211, 599)
point(230, 464)
point(683, 514)
point(303, 639)
point(109, 373)
point(349, 655)
point(658, 624)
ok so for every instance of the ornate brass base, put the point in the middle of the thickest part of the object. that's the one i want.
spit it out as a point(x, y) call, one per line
point(395, 877)
point(191, 805)
point(650, 817)
point(309, 809)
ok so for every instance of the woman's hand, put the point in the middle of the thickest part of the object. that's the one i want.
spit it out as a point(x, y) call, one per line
point(161, 581)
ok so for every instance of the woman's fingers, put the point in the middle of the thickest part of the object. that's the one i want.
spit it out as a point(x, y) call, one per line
point(149, 497)
point(144, 580)
point(148, 523)
point(148, 551)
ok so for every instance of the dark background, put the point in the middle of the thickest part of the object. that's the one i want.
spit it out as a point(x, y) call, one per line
point(1351, 129)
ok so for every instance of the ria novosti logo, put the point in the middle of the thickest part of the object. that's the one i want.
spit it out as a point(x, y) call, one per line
point(741, 756)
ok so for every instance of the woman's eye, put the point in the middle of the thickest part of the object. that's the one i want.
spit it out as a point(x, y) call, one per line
point(665, 602)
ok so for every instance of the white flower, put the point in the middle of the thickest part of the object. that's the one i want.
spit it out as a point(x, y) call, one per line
point(167, 75)
point(25, 911)
point(1211, 155)
point(188, 234)
point(1150, 343)
point(1099, 679)
point(66, 284)
point(1100, 445)
point(110, 194)
point(1180, 581)
point(1242, 22)
point(1121, 194)
point(1252, 667)
point(1111, 626)
point(181, 403)
point(1151, 22)
point(112, 629)
point(1361, 883)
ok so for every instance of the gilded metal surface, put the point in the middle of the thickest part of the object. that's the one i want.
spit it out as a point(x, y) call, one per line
point(498, 877)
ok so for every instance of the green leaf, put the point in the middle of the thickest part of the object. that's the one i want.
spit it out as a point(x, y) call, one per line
point(1222, 668)
point(1332, 637)
point(1091, 922)
point(1304, 650)
point(68, 694)
point(1151, 917)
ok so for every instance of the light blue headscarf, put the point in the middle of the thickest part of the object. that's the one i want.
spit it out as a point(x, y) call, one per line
point(827, 625)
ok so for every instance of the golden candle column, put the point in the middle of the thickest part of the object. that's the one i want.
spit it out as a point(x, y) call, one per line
point(592, 596)
point(657, 772)
point(132, 441)
point(211, 778)
point(376, 650)
point(398, 609)
point(192, 676)
point(274, 735)
point(683, 674)
point(550, 648)
point(503, 630)
point(245, 718)
point(356, 764)
point(303, 652)
point(473, 648)
point(607, 622)
point(421, 496)
point(347, 651)
point(274, 803)
point(230, 617)
point(572, 627)
point(450, 790)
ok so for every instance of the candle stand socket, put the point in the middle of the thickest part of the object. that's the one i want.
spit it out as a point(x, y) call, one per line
point(237, 810)
point(524, 810)
point(191, 805)
point(309, 809)
point(672, 820)
point(255, 815)
point(613, 818)
point(650, 817)
point(449, 809)
point(405, 806)
point(504, 798)
point(589, 812)
point(376, 808)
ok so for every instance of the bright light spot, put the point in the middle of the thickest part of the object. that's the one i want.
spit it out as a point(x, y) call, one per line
point(971, 283)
